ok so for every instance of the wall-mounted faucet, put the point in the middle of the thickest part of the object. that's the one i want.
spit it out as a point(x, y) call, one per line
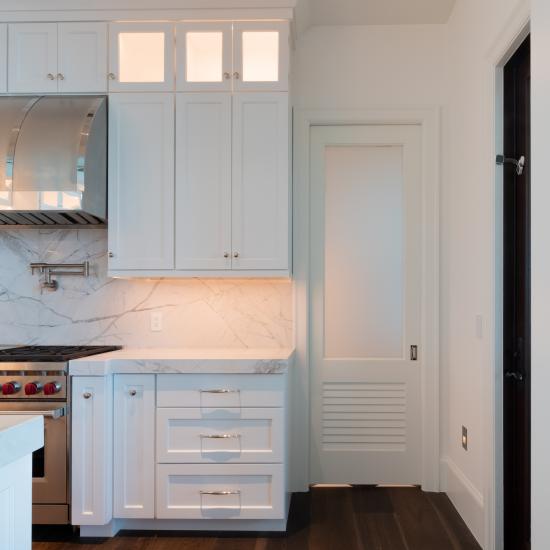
point(56, 270)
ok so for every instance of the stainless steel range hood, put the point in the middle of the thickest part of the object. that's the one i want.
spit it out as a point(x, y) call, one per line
point(53, 160)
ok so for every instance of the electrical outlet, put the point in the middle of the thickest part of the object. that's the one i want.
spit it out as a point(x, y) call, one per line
point(464, 438)
point(156, 321)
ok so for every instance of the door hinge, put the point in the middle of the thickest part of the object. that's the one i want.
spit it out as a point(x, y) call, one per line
point(414, 353)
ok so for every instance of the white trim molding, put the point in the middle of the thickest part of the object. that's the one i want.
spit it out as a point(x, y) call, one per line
point(429, 120)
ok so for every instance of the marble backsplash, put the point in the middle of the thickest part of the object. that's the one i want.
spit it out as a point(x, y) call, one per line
point(100, 310)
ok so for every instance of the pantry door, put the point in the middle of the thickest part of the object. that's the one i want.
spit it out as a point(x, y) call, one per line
point(366, 281)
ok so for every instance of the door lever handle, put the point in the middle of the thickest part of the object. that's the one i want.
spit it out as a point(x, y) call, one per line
point(515, 375)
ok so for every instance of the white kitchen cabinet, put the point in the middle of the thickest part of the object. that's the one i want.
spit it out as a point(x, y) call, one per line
point(260, 220)
point(82, 58)
point(91, 468)
point(261, 56)
point(141, 57)
point(3, 58)
point(134, 446)
point(141, 181)
point(203, 181)
point(32, 57)
point(204, 56)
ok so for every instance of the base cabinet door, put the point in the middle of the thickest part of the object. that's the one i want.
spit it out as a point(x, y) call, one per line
point(221, 491)
point(92, 422)
point(134, 446)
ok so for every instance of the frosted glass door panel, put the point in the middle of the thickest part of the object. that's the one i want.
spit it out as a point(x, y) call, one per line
point(364, 252)
point(261, 56)
point(204, 56)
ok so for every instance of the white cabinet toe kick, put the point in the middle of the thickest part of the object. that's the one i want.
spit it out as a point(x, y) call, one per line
point(189, 452)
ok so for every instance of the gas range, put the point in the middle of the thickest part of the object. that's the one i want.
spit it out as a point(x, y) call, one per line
point(35, 380)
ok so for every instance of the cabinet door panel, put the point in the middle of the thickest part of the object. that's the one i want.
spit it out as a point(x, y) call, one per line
point(204, 56)
point(82, 57)
point(134, 446)
point(141, 57)
point(91, 468)
point(3, 58)
point(141, 181)
point(260, 181)
point(203, 181)
point(261, 56)
point(32, 61)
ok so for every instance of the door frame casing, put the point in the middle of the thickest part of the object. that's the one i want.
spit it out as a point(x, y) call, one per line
point(429, 121)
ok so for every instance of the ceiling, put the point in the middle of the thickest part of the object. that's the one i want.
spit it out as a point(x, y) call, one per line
point(378, 12)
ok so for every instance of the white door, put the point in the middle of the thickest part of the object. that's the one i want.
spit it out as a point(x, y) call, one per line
point(260, 181)
point(141, 57)
point(32, 58)
point(141, 181)
point(204, 57)
point(82, 57)
point(365, 304)
point(134, 446)
point(261, 56)
point(3, 58)
point(203, 181)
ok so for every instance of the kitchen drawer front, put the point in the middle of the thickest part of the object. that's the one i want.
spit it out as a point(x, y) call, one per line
point(214, 491)
point(212, 391)
point(224, 436)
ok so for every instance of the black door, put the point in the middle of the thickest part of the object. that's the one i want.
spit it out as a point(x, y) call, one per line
point(517, 297)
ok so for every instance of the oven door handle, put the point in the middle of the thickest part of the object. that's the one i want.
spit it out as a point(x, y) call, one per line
point(52, 413)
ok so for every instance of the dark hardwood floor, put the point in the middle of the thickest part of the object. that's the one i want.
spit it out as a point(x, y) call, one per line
point(355, 518)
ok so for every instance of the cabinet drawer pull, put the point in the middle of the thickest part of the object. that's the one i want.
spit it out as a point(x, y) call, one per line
point(220, 391)
point(220, 436)
point(220, 493)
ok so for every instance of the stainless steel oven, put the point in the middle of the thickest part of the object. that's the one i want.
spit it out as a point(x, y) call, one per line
point(35, 380)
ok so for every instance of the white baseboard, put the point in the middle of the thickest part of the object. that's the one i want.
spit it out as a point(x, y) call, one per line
point(465, 496)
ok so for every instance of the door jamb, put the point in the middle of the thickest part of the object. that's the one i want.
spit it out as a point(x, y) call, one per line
point(429, 121)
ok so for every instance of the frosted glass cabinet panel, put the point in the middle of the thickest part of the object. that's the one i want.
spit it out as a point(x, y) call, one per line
point(141, 57)
point(261, 56)
point(204, 56)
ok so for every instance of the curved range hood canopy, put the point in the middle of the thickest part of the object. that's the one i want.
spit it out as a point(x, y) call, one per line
point(54, 167)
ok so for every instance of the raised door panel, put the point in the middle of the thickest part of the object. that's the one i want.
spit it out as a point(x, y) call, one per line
point(134, 446)
point(82, 56)
point(32, 58)
point(141, 57)
point(91, 469)
point(204, 57)
point(203, 181)
point(261, 56)
point(141, 181)
point(3, 58)
point(260, 181)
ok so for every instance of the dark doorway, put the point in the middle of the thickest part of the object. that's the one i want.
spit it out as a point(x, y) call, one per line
point(517, 300)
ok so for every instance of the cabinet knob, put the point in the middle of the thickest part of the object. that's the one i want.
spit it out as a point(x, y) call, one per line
point(50, 76)
point(236, 75)
point(111, 76)
point(226, 254)
point(133, 392)
point(111, 254)
point(87, 395)
point(236, 255)
point(227, 75)
point(60, 76)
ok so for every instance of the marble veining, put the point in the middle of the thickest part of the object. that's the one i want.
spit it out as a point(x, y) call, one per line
point(199, 313)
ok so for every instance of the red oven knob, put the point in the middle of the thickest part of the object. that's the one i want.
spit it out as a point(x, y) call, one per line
point(32, 388)
point(51, 388)
point(9, 388)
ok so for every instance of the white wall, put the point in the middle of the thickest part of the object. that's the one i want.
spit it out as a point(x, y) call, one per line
point(540, 356)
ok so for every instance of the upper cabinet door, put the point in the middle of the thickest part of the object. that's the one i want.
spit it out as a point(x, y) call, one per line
point(141, 181)
point(141, 57)
point(3, 58)
point(261, 53)
point(204, 57)
point(203, 181)
point(260, 181)
point(32, 58)
point(82, 57)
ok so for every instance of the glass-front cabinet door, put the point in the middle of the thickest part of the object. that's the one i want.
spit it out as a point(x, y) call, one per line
point(204, 56)
point(141, 57)
point(260, 56)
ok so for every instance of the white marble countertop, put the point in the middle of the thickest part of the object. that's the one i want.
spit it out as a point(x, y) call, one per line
point(20, 435)
point(184, 360)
